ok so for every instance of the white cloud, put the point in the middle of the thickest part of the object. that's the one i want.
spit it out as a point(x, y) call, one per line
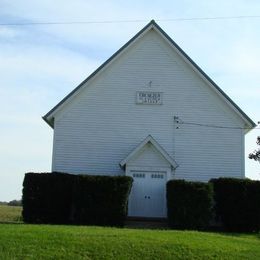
point(6, 32)
point(41, 61)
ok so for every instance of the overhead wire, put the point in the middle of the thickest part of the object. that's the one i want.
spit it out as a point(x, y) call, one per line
point(129, 21)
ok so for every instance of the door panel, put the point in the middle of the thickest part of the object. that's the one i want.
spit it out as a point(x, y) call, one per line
point(156, 192)
point(136, 197)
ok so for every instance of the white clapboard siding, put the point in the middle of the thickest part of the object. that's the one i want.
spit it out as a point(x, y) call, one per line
point(103, 124)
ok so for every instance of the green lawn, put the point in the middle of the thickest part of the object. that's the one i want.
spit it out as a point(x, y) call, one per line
point(10, 214)
point(20, 241)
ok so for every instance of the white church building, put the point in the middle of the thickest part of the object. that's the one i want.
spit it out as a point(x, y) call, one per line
point(151, 113)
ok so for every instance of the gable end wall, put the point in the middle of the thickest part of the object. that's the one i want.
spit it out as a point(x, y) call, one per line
point(102, 125)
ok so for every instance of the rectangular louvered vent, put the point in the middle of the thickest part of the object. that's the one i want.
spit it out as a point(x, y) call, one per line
point(157, 176)
point(139, 175)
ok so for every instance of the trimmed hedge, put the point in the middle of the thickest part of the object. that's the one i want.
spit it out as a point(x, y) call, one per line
point(101, 200)
point(189, 204)
point(237, 203)
point(47, 197)
point(59, 198)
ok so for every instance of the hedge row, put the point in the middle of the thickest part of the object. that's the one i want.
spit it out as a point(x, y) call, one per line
point(237, 203)
point(189, 204)
point(102, 200)
point(234, 203)
point(76, 199)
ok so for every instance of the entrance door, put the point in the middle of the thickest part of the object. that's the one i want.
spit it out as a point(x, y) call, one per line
point(148, 196)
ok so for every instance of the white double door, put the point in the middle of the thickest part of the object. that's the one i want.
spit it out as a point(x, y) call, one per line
point(148, 194)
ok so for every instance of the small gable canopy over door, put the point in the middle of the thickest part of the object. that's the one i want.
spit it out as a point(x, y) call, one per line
point(151, 167)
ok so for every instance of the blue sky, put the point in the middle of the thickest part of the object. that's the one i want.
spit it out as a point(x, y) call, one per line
point(39, 65)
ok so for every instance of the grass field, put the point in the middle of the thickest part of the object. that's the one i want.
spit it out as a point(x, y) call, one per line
point(22, 241)
point(10, 214)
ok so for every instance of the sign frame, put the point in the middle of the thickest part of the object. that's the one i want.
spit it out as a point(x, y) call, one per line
point(149, 98)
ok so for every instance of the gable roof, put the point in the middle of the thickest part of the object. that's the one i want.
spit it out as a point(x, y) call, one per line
point(151, 140)
point(49, 117)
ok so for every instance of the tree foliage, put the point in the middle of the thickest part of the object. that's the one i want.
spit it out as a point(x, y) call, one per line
point(15, 203)
point(256, 154)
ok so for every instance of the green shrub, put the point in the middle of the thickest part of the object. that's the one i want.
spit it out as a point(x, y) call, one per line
point(102, 200)
point(189, 204)
point(59, 198)
point(237, 203)
point(47, 197)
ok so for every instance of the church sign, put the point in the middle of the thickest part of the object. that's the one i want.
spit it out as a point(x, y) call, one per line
point(149, 98)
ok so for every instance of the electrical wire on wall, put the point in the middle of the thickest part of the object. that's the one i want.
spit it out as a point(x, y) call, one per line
point(179, 122)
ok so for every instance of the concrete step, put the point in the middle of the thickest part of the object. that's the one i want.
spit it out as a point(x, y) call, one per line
point(146, 224)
